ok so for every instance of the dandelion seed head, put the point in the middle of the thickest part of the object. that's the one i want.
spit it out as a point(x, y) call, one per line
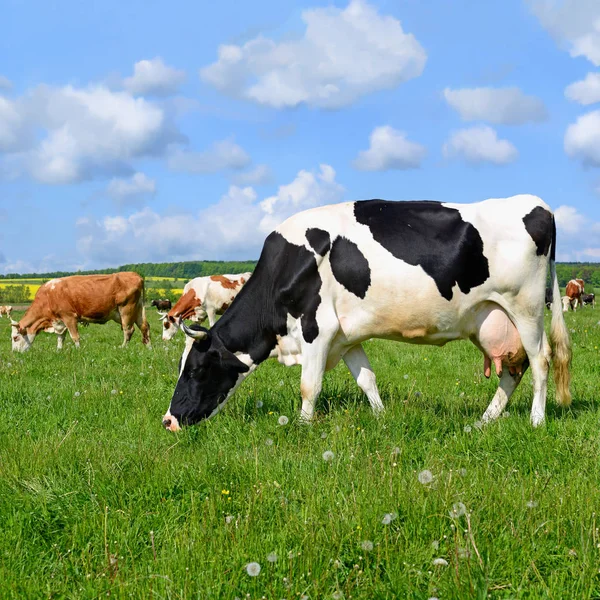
point(435, 545)
point(259, 404)
point(77, 394)
point(388, 518)
point(367, 545)
point(283, 420)
point(228, 519)
point(269, 442)
point(328, 456)
point(406, 376)
point(458, 510)
point(478, 425)
point(440, 562)
point(337, 596)
point(467, 429)
point(532, 504)
point(114, 392)
point(272, 557)
point(253, 569)
point(323, 436)
point(425, 477)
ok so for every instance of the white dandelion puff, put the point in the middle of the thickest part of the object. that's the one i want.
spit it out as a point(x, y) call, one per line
point(406, 376)
point(77, 394)
point(463, 553)
point(440, 562)
point(337, 596)
point(328, 455)
point(281, 383)
point(458, 510)
point(425, 477)
point(48, 397)
point(272, 557)
point(418, 394)
point(478, 425)
point(259, 404)
point(367, 545)
point(467, 429)
point(462, 472)
point(253, 569)
point(114, 392)
point(229, 519)
point(323, 436)
point(283, 420)
point(396, 451)
point(435, 545)
point(388, 518)
point(269, 442)
point(532, 504)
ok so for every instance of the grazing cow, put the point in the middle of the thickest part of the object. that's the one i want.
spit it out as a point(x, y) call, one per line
point(423, 272)
point(5, 310)
point(588, 299)
point(203, 297)
point(161, 304)
point(573, 291)
point(549, 297)
point(61, 303)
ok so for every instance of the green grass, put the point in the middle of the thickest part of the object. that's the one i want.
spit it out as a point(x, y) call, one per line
point(97, 499)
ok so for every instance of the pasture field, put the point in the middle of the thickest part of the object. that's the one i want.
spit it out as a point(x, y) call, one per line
point(97, 500)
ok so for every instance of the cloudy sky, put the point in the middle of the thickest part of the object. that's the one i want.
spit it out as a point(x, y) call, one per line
point(151, 131)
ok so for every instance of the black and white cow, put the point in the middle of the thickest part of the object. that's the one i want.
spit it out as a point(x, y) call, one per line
point(424, 272)
point(588, 299)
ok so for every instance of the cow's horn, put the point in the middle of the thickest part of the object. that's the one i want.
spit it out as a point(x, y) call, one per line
point(15, 323)
point(195, 334)
point(162, 316)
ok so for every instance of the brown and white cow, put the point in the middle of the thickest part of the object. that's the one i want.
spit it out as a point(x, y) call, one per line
point(203, 297)
point(5, 310)
point(61, 303)
point(573, 292)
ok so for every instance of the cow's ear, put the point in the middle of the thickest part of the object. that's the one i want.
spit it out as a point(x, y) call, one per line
point(231, 362)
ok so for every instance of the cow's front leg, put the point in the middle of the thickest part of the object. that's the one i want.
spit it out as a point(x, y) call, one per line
point(357, 361)
point(61, 340)
point(313, 369)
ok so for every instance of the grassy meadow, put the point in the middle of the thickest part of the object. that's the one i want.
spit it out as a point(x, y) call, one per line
point(97, 500)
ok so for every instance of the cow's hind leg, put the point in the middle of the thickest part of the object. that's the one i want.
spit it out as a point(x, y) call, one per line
point(143, 326)
point(507, 385)
point(358, 363)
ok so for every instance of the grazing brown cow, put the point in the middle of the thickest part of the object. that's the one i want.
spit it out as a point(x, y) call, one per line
point(61, 303)
point(161, 304)
point(573, 293)
point(203, 297)
point(5, 310)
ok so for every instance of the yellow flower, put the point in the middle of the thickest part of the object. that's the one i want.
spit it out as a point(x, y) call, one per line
point(225, 492)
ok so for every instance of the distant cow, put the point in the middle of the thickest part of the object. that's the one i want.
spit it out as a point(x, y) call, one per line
point(332, 277)
point(203, 297)
point(588, 299)
point(161, 304)
point(61, 303)
point(548, 299)
point(5, 310)
point(573, 291)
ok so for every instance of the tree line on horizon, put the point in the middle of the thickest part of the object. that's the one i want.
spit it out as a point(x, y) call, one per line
point(589, 272)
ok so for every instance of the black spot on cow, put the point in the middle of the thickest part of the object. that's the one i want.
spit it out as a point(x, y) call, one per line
point(429, 235)
point(319, 240)
point(350, 267)
point(285, 281)
point(539, 224)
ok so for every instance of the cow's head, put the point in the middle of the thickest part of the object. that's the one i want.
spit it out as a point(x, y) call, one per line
point(567, 303)
point(208, 375)
point(170, 326)
point(21, 340)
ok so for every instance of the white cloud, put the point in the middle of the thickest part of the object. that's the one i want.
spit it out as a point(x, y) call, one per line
point(586, 91)
point(479, 145)
point(132, 190)
point(569, 220)
point(582, 139)
point(389, 149)
point(573, 23)
point(260, 175)
point(225, 154)
point(343, 55)
point(86, 132)
point(506, 106)
point(5, 83)
point(234, 227)
point(13, 132)
point(154, 78)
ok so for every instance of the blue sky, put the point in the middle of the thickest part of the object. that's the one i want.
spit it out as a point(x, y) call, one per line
point(142, 131)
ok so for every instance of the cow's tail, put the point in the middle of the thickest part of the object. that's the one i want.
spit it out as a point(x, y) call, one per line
point(559, 336)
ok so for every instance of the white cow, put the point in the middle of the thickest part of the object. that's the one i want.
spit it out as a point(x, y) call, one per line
point(203, 297)
point(331, 277)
